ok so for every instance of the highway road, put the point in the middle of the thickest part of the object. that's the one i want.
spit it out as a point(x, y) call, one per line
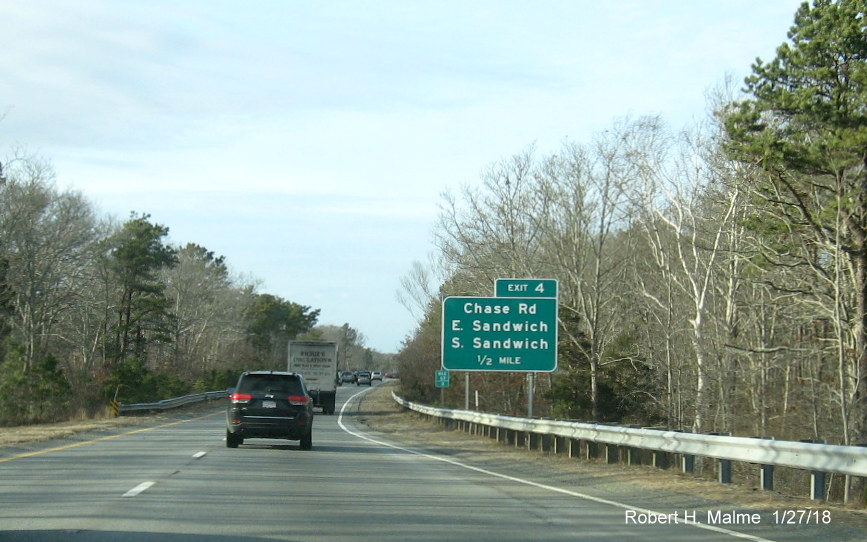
point(177, 481)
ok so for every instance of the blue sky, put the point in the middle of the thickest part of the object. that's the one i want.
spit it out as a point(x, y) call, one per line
point(309, 142)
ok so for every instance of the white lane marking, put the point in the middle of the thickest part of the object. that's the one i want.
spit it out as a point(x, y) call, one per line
point(584, 496)
point(138, 489)
point(199, 455)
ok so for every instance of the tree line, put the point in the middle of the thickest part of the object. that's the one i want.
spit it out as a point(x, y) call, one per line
point(94, 310)
point(710, 279)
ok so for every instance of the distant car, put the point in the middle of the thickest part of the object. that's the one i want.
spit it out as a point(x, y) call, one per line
point(364, 378)
point(376, 375)
point(347, 376)
point(391, 375)
point(270, 404)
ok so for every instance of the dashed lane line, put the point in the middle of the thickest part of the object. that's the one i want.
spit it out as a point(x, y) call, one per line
point(142, 487)
point(101, 439)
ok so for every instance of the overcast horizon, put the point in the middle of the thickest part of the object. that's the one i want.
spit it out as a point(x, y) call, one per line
point(310, 143)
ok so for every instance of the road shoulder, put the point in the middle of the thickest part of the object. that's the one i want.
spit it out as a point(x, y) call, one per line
point(664, 491)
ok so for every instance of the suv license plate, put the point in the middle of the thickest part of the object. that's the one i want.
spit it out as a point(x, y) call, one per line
point(269, 404)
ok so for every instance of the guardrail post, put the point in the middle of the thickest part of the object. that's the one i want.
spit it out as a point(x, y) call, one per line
point(766, 472)
point(818, 483)
point(725, 471)
point(633, 455)
point(818, 479)
point(820, 461)
point(766, 476)
point(661, 460)
point(575, 448)
point(688, 462)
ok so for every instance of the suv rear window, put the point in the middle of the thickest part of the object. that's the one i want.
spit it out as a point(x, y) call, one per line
point(282, 384)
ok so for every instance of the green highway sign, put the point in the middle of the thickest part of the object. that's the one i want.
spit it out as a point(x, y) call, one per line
point(525, 288)
point(443, 378)
point(509, 334)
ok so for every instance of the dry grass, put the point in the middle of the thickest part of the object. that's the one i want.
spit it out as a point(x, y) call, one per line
point(381, 413)
point(14, 436)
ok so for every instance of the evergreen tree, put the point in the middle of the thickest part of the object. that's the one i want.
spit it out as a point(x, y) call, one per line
point(135, 256)
point(804, 125)
point(274, 321)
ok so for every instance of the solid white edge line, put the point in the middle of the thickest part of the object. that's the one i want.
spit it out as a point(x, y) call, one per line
point(138, 489)
point(616, 504)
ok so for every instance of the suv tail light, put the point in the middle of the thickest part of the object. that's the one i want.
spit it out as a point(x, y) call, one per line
point(240, 398)
point(298, 400)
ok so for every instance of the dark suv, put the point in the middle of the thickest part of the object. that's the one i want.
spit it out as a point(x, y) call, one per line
point(270, 404)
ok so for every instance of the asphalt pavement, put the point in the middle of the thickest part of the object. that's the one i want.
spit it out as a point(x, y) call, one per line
point(176, 480)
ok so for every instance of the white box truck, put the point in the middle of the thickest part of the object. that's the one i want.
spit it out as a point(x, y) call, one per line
point(317, 363)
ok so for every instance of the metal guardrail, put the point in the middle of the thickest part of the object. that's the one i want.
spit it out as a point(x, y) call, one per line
point(816, 458)
point(167, 404)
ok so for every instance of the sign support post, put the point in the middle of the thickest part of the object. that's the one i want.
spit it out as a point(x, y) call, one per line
point(466, 390)
point(531, 393)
